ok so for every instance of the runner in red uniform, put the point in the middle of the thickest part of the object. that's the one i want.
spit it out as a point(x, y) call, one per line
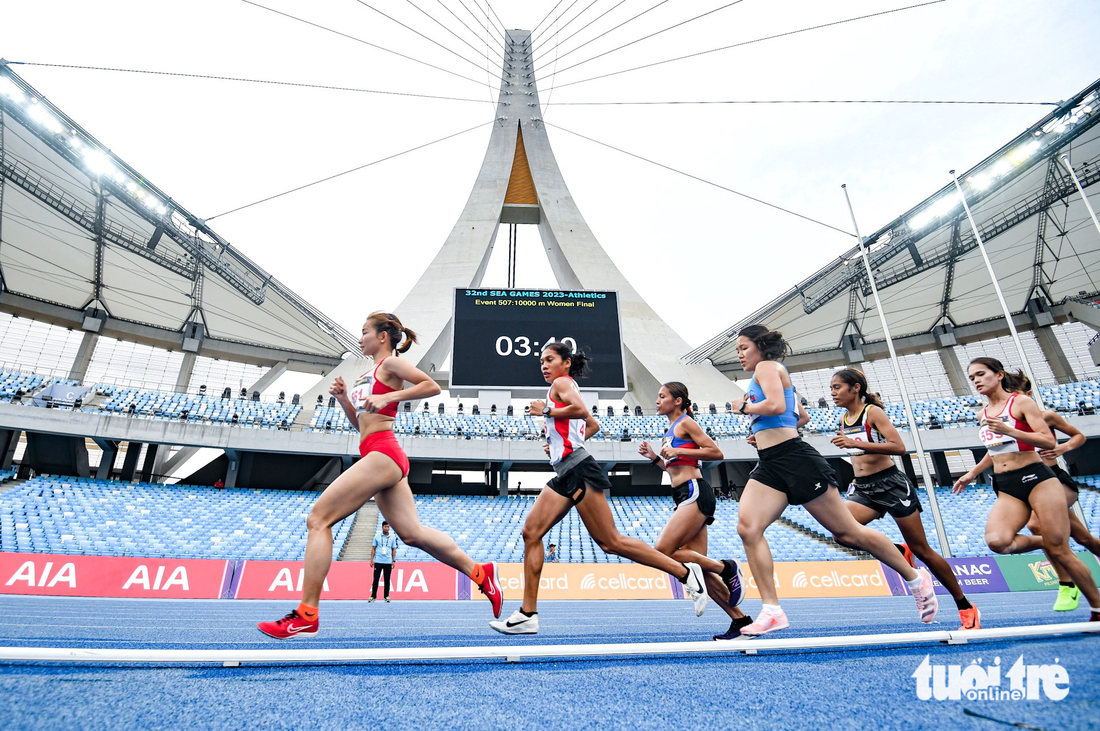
point(382, 473)
point(1012, 427)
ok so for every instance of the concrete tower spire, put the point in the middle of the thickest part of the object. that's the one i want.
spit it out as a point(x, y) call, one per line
point(520, 182)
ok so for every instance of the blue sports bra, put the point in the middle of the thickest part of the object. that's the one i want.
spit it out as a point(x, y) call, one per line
point(671, 440)
point(788, 418)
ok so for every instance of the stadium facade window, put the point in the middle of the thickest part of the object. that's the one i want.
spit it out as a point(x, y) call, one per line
point(1074, 339)
point(132, 364)
point(31, 346)
point(224, 373)
point(1004, 350)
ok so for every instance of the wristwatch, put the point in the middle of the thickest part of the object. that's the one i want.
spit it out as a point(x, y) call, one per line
point(741, 409)
point(546, 411)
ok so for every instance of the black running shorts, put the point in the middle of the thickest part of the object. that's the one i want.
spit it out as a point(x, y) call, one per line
point(1065, 478)
point(795, 469)
point(572, 483)
point(887, 491)
point(698, 492)
point(1019, 483)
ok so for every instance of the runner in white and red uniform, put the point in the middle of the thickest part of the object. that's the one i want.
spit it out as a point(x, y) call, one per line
point(580, 483)
point(1069, 596)
point(382, 473)
point(1012, 427)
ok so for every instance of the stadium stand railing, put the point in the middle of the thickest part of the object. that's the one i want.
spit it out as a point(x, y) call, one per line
point(453, 424)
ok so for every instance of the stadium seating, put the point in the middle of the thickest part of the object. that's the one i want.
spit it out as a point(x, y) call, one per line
point(84, 516)
point(12, 382)
point(489, 529)
point(198, 408)
point(70, 515)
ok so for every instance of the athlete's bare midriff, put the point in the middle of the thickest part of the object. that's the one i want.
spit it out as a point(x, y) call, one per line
point(775, 437)
point(372, 423)
point(1014, 461)
point(869, 464)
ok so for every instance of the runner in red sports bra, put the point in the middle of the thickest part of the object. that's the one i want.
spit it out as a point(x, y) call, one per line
point(1012, 427)
point(1068, 594)
point(382, 473)
point(684, 537)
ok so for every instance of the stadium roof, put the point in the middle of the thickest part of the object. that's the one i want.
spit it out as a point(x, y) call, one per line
point(929, 271)
point(87, 241)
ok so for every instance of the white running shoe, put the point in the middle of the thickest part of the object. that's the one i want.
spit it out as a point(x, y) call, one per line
point(696, 587)
point(925, 595)
point(518, 624)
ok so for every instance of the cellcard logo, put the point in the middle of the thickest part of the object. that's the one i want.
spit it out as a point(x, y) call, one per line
point(800, 581)
point(983, 682)
point(588, 582)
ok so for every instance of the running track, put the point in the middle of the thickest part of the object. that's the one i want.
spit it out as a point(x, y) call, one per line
point(859, 689)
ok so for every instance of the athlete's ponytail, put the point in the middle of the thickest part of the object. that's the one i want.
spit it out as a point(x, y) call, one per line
point(855, 377)
point(770, 343)
point(387, 322)
point(579, 364)
point(1011, 381)
point(678, 390)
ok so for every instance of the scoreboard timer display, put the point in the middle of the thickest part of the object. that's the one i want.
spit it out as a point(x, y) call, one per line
point(499, 335)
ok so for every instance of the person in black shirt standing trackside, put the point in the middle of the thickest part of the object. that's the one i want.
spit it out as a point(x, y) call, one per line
point(383, 555)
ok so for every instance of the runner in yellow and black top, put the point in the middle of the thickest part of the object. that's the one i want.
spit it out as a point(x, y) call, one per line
point(870, 439)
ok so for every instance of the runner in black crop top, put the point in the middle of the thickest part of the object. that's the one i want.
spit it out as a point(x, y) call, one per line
point(866, 433)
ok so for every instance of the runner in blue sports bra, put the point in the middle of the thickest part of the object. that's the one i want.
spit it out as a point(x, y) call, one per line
point(791, 472)
point(684, 537)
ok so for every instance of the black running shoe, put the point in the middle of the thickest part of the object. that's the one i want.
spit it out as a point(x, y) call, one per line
point(734, 631)
point(734, 580)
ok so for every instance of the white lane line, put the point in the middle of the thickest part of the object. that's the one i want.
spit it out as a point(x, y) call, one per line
point(518, 652)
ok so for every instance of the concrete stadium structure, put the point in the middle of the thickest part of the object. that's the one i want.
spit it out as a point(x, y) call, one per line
point(80, 190)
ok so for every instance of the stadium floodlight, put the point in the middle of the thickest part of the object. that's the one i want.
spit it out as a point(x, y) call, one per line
point(1023, 152)
point(9, 89)
point(40, 114)
point(934, 212)
point(99, 163)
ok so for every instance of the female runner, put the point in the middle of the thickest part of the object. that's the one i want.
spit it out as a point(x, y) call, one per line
point(381, 473)
point(684, 537)
point(1011, 428)
point(1069, 596)
point(867, 434)
point(580, 483)
point(791, 472)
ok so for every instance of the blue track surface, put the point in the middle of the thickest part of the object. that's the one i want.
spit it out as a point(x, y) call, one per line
point(865, 688)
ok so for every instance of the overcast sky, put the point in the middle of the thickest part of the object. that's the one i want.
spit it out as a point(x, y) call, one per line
point(702, 257)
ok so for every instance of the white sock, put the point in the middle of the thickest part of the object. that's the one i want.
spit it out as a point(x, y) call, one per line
point(1094, 609)
point(772, 609)
point(915, 583)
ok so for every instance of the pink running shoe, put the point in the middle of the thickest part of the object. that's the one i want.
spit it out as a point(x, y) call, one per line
point(766, 622)
point(925, 595)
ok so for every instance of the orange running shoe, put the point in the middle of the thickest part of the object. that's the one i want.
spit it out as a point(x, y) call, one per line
point(971, 618)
